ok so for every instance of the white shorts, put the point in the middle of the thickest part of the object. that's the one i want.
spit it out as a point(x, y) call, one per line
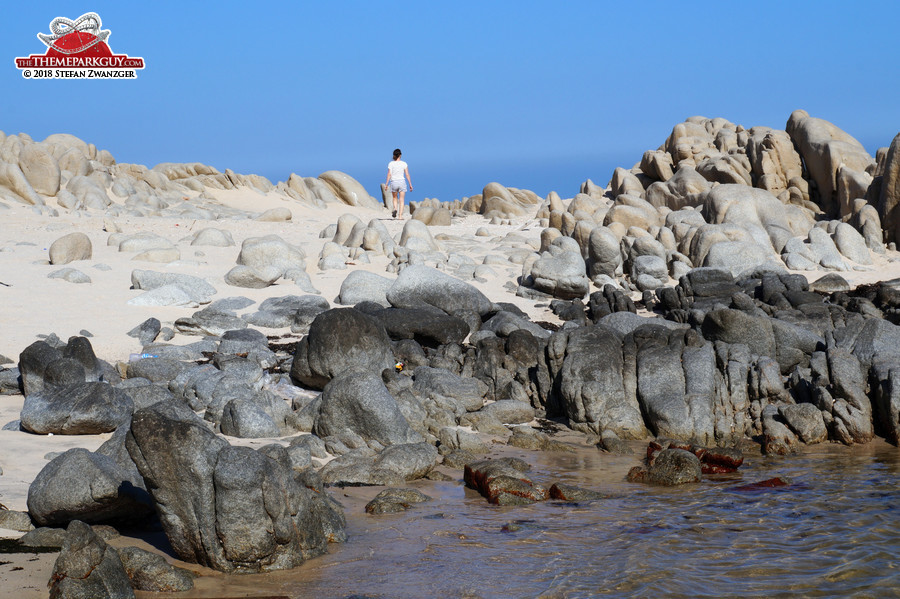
point(398, 185)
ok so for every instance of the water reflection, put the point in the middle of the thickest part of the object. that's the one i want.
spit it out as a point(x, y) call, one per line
point(831, 532)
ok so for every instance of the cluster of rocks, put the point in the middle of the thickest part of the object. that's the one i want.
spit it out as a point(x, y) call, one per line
point(715, 194)
point(672, 463)
point(82, 178)
point(505, 481)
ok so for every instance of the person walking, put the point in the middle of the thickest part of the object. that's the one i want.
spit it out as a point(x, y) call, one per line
point(397, 170)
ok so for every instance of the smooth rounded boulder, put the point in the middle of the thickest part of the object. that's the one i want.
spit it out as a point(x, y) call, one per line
point(339, 340)
point(359, 403)
point(418, 284)
point(71, 247)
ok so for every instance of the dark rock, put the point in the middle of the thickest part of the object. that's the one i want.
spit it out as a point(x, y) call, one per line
point(571, 493)
point(88, 567)
point(875, 339)
point(735, 326)
point(588, 365)
point(674, 467)
point(10, 381)
point(508, 411)
point(360, 403)
point(459, 458)
point(288, 311)
point(395, 465)
point(209, 321)
point(611, 443)
point(505, 323)
point(229, 508)
point(676, 378)
point(13, 520)
point(418, 284)
point(80, 350)
point(777, 438)
point(886, 400)
point(147, 331)
point(151, 572)
point(850, 408)
point(391, 501)
point(339, 340)
point(44, 537)
point(33, 362)
point(243, 418)
point(81, 485)
point(114, 447)
point(81, 409)
point(435, 383)
point(502, 481)
point(805, 420)
point(429, 326)
point(143, 393)
point(157, 370)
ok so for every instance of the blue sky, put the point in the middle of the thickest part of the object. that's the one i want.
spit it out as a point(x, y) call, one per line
point(530, 94)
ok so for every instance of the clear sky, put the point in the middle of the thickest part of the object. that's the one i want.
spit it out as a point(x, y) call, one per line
point(537, 95)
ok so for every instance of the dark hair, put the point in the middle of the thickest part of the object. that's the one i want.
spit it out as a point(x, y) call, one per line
point(397, 153)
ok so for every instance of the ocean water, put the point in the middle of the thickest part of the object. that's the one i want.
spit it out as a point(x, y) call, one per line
point(833, 532)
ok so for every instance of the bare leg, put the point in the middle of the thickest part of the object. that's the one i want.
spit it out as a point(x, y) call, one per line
point(400, 210)
point(394, 193)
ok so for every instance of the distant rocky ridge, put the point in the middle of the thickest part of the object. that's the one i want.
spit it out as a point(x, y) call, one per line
point(78, 176)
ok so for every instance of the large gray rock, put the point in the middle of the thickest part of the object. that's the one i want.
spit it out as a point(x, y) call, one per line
point(363, 286)
point(71, 247)
point(357, 402)
point(561, 271)
point(674, 467)
point(589, 365)
point(676, 383)
point(805, 420)
point(228, 508)
point(196, 288)
point(392, 466)
point(432, 383)
point(427, 325)
point(339, 340)
point(263, 260)
point(417, 285)
point(244, 418)
point(86, 486)
point(151, 572)
point(88, 568)
point(851, 244)
point(735, 326)
point(84, 408)
point(288, 311)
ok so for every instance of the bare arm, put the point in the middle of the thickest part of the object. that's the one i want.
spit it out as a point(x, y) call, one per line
point(388, 180)
point(406, 172)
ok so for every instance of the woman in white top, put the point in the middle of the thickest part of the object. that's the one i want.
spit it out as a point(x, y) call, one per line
point(397, 170)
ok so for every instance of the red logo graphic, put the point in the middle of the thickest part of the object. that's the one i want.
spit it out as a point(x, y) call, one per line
point(78, 50)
